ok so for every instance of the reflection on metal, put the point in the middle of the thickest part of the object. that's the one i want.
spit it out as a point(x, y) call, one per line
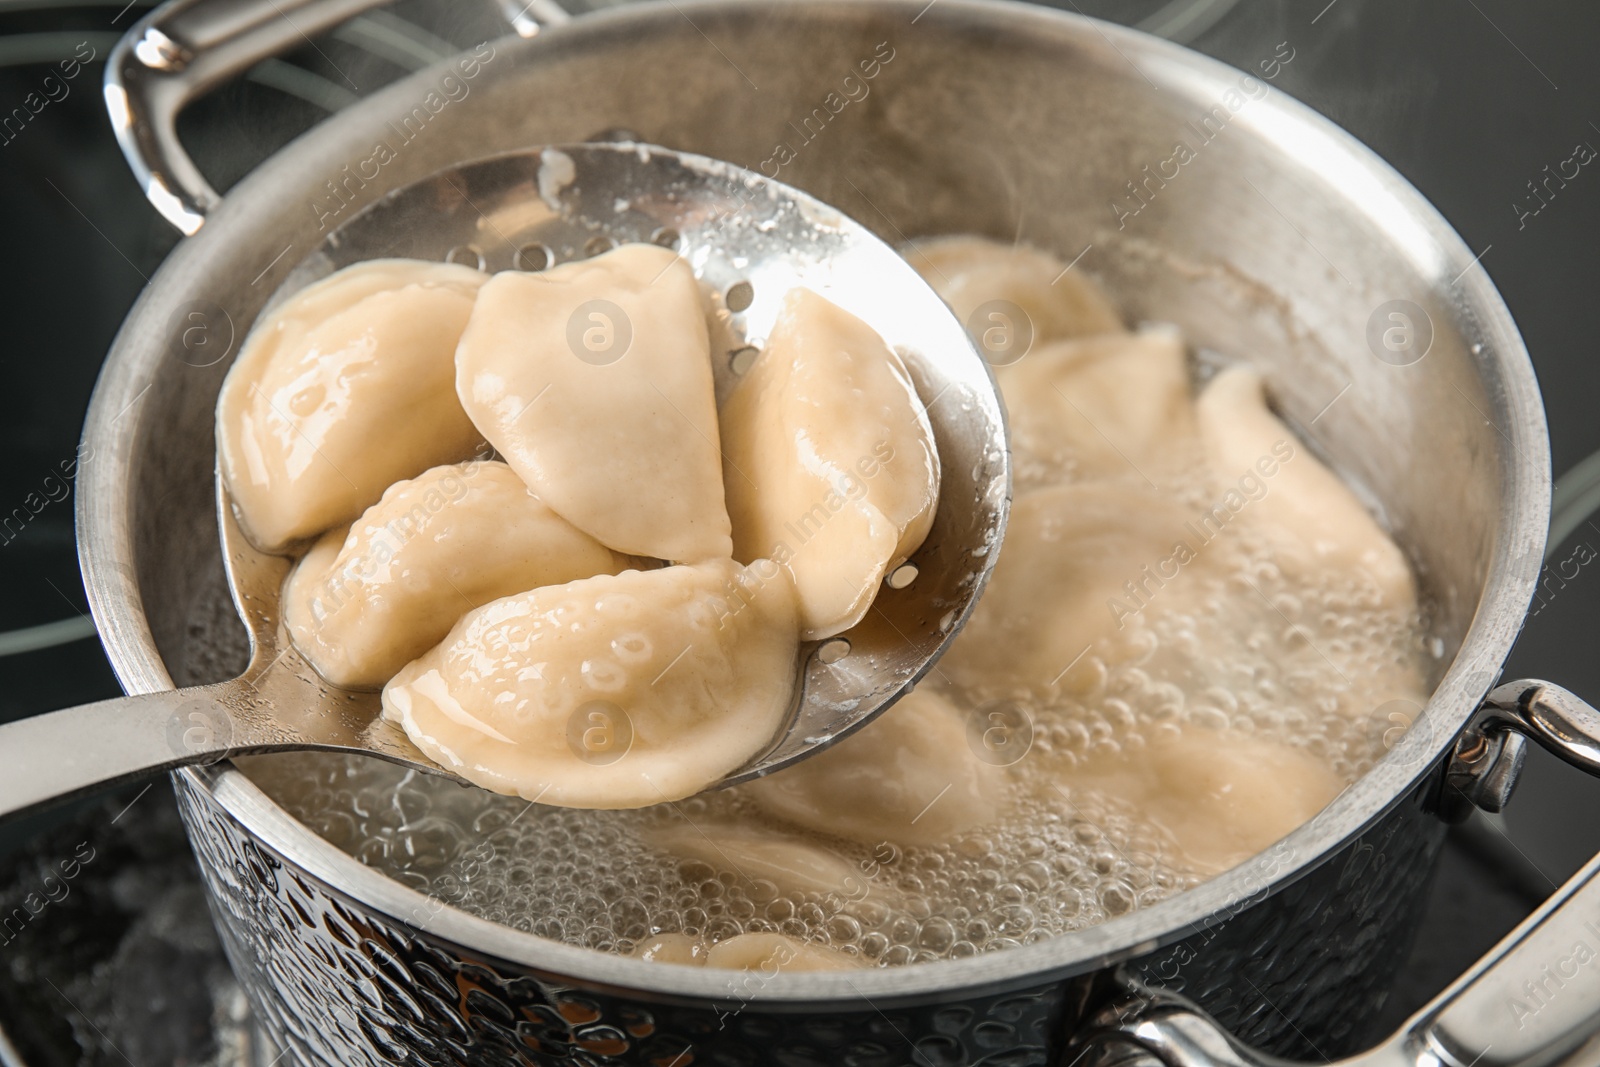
point(302, 84)
point(22, 49)
point(1576, 497)
point(1185, 20)
point(46, 635)
point(528, 17)
point(389, 37)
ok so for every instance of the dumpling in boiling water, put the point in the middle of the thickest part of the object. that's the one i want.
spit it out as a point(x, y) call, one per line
point(969, 272)
point(1112, 406)
point(366, 601)
point(341, 391)
point(908, 778)
point(609, 692)
point(1313, 520)
point(830, 464)
point(1061, 584)
point(770, 953)
point(759, 855)
point(593, 380)
point(681, 949)
point(1222, 796)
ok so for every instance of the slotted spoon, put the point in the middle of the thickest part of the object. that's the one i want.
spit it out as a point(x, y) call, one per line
point(749, 240)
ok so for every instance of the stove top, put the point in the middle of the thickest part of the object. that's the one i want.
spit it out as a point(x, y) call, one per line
point(1477, 104)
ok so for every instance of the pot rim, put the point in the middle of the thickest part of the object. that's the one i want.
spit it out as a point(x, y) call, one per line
point(106, 544)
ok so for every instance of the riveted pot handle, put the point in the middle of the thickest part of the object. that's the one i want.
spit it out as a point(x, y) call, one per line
point(1532, 1001)
point(185, 48)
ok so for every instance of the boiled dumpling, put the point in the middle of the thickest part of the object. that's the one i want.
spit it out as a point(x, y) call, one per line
point(770, 953)
point(830, 462)
point(343, 390)
point(758, 855)
point(681, 949)
point(366, 601)
point(969, 272)
point(616, 691)
point(593, 380)
point(1060, 585)
point(908, 778)
point(1313, 521)
point(1112, 406)
point(1222, 796)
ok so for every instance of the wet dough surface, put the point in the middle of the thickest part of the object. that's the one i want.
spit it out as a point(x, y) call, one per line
point(971, 272)
point(341, 391)
point(593, 380)
point(830, 464)
point(367, 600)
point(908, 777)
point(609, 692)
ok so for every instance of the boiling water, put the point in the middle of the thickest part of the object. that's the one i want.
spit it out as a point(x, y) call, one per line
point(1232, 645)
point(1248, 651)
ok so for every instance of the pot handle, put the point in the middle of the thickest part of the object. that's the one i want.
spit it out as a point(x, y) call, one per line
point(185, 48)
point(1532, 1001)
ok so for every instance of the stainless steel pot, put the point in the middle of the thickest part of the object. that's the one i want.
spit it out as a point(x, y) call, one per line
point(1278, 238)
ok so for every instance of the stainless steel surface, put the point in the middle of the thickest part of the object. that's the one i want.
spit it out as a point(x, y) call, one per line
point(180, 51)
point(527, 17)
point(277, 704)
point(1531, 1001)
point(1277, 243)
point(1483, 773)
point(1560, 721)
point(735, 228)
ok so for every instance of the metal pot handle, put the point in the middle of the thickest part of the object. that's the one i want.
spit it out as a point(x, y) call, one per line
point(1533, 1000)
point(185, 48)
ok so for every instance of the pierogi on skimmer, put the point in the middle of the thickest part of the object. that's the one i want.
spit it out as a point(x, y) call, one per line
point(570, 624)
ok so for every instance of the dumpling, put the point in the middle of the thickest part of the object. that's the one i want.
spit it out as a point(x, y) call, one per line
point(830, 464)
point(1222, 796)
point(1112, 406)
point(755, 854)
point(1314, 522)
point(770, 953)
point(1061, 584)
point(908, 778)
point(969, 272)
point(616, 691)
point(593, 380)
point(366, 601)
point(681, 949)
point(343, 390)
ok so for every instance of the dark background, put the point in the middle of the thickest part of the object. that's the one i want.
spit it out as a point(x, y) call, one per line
point(1469, 99)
